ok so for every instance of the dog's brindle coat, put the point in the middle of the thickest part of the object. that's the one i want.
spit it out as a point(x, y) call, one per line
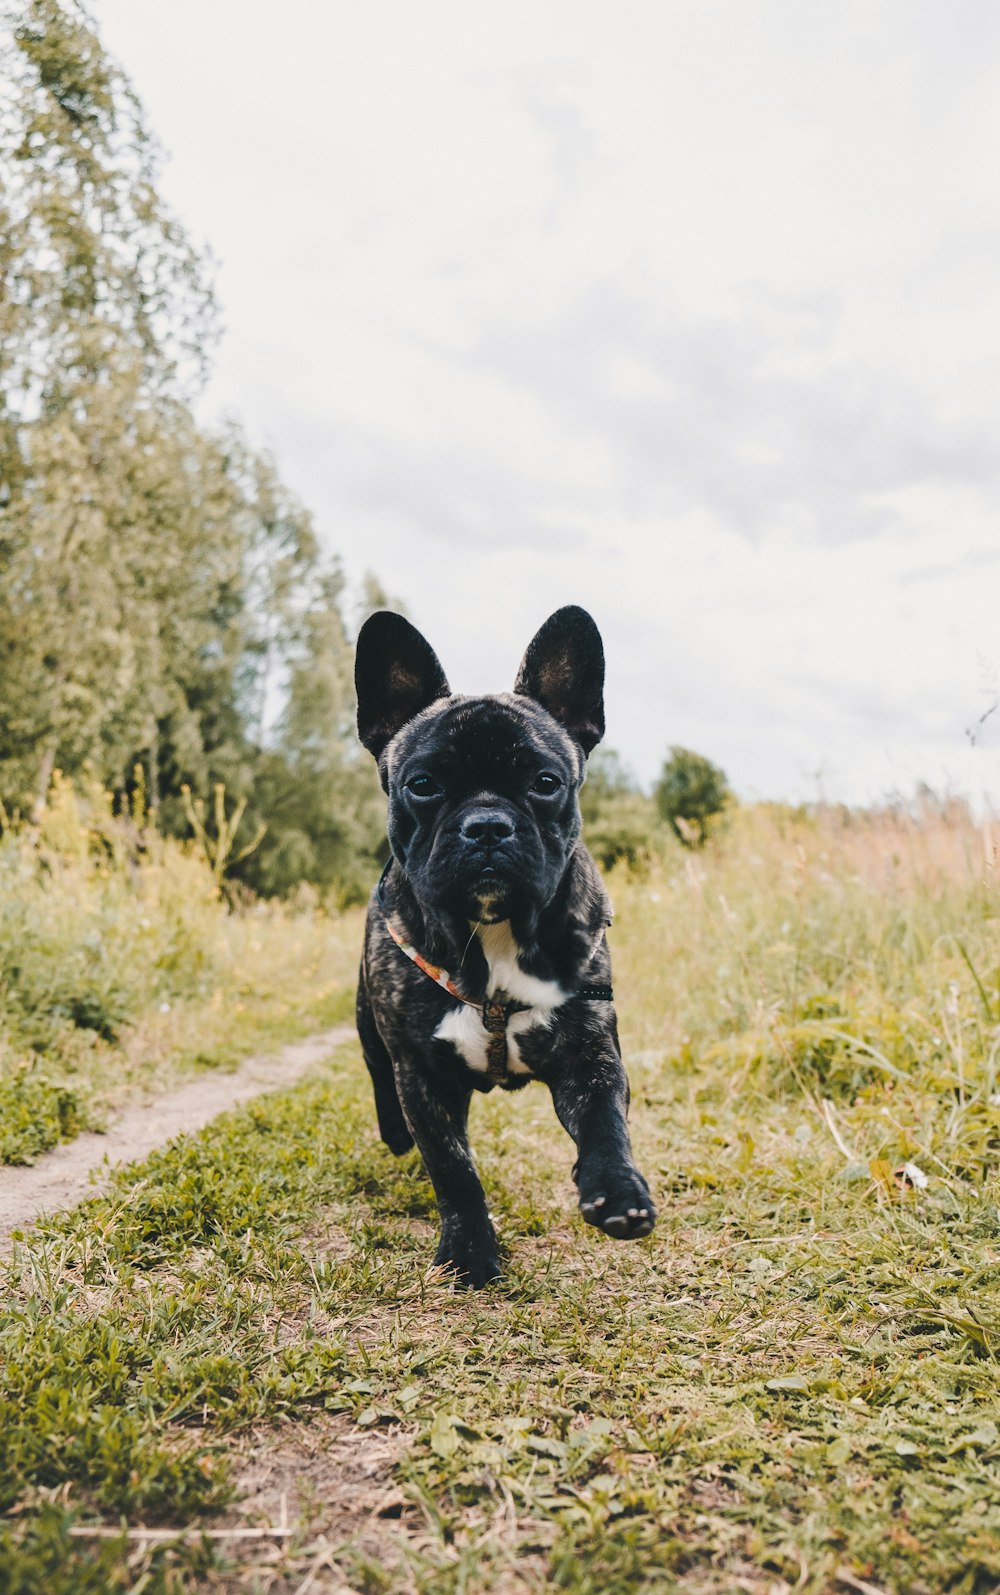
point(489, 880)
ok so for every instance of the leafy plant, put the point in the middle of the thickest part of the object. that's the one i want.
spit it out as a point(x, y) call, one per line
point(691, 791)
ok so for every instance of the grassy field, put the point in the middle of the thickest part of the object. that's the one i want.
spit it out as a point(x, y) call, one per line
point(234, 1371)
point(121, 973)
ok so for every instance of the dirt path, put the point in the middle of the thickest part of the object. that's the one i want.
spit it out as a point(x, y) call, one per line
point(79, 1168)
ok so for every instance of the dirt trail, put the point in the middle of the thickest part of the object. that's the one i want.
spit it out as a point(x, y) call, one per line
point(79, 1168)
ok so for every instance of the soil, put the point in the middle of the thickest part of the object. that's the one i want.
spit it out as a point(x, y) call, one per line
point(81, 1167)
point(333, 1483)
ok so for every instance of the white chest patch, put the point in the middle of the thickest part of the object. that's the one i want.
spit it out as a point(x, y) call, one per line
point(463, 1026)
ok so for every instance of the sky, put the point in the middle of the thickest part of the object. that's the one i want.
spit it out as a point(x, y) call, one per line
point(686, 311)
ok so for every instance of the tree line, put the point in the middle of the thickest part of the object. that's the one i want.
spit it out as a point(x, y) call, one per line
point(167, 615)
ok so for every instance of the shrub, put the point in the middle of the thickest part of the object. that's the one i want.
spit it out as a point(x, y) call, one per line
point(690, 792)
point(621, 825)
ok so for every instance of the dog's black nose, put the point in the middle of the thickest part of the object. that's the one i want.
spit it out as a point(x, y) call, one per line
point(486, 828)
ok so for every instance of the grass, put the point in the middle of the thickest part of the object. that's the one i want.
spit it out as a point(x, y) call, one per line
point(121, 971)
point(792, 1385)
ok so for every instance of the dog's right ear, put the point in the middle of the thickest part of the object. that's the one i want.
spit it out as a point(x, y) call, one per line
point(397, 673)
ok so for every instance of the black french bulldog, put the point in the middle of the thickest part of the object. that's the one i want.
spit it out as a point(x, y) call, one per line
point(486, 961)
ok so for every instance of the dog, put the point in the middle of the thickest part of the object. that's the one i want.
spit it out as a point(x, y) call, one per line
point(485, 958)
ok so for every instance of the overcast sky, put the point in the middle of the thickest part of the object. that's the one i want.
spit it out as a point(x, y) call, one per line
point(687, 312)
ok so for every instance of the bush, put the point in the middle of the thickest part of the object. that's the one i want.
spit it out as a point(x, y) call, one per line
point(99, 919)
point(621, 825)
point(690, 792)
point(627, 830)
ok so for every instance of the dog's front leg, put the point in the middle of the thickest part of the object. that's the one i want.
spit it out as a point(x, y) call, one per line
point(391, 1123)
point(592, 1104)
point(438, 1117)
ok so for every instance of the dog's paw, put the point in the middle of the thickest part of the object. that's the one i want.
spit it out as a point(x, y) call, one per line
point(618, 1202)
point(472, 1265)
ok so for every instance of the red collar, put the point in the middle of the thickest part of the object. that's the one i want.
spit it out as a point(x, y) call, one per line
point(440, 977)
point(494, 1012)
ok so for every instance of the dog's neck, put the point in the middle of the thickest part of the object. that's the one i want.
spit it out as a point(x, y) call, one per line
point(556, 945)
point(505, 973)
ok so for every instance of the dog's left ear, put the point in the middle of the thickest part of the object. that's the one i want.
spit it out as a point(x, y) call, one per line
point(397, 673)
point(563, 670)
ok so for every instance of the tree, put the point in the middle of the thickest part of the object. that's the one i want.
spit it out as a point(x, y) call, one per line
point(105, 318)
point(164, 600)
point(92, 260)
point(607, 778)
point(119, 556)
point(690, 791)
point(316, 789)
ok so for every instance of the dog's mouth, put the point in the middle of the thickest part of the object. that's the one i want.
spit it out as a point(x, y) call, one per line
point(489, 889)
point(491, 876)
point(488, 882)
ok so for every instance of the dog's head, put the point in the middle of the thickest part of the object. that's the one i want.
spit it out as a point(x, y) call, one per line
point(483, 810)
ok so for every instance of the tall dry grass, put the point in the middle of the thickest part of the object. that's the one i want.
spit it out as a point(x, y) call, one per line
point(831, 955)
point(121, 964)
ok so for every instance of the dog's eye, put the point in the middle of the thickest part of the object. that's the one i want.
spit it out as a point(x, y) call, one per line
point(423, 786)
point(546, 783)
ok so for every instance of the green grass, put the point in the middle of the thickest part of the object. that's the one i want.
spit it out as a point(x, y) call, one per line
point(121, 971)
point(793, 1384)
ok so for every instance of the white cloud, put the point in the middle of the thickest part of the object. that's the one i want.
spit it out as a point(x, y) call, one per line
point(688, 312)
